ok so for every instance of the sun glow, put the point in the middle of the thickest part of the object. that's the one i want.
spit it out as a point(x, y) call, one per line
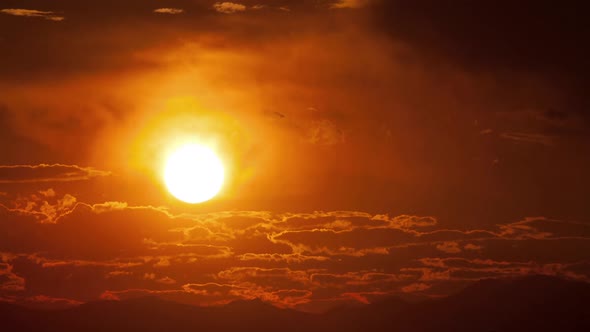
point(193, 173)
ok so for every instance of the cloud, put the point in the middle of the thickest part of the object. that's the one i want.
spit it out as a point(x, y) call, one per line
point(251, 274)
point(525, 229)
point(261, 7)
point(417, 287)
point(118, 273)
point(360, 278)
point(287, 258)
point(166, 281)
point(216, 293)
point(350, 4)
point(163, 280)
point(120, 295)
point(461, 269)
point(47, 193)
point(228, 7)
point(449, 247)
point(486, 131)
point(44, 301)
point(296, 260)
point(10, 281)
point(33, 13)
point(529, 138)
point(172, 11)
point(471, 246)
point(408, 221)
point(47, 173)
point(46, 207)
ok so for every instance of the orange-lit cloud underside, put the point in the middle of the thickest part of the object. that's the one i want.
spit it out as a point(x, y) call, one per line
point(310, 261)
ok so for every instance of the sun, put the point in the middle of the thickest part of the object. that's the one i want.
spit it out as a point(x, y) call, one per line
point(193, 173)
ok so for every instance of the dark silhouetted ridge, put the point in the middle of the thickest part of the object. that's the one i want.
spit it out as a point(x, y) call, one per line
point(537, 303)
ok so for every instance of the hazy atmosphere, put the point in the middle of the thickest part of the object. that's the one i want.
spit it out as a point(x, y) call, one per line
point(308, 154)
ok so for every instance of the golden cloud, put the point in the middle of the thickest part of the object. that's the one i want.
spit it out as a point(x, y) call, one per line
point(33, 13)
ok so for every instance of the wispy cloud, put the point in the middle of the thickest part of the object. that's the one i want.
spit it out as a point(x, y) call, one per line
point(10, 281)
point(172, 11)
point(449, 247)
point(229, 7)
point(350, 4)
point(529, 138)
point(47, 173)
point(52, 16)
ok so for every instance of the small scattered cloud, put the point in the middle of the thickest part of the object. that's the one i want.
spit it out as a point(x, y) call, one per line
point(529, 138)
point(228, 7)
point(486, 132)
point(471, 246)
point(118, 273)
point(163, 262)
point(350, 4)
point(287, 258)
point(449, 247)
point(48, 302)
point(417, 287)
point(166, 281)
point(171, 11)
point(51, 16)
point(10, 281)
point(47, 193)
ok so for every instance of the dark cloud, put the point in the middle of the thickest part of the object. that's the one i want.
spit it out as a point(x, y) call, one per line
point(47, 173)
point(528, 35)
point(540, 38)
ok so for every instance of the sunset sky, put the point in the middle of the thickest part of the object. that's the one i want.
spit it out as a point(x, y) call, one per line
point(371, 148)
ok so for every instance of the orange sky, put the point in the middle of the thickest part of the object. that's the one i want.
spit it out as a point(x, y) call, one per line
point(372, 148)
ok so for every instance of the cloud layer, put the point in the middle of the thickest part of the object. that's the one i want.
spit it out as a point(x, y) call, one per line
point(309, 261)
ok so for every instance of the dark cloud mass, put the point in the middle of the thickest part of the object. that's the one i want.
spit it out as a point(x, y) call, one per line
point(537, 37)
point(372, 148)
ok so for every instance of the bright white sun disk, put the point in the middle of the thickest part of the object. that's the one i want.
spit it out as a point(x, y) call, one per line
point(194, 174)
